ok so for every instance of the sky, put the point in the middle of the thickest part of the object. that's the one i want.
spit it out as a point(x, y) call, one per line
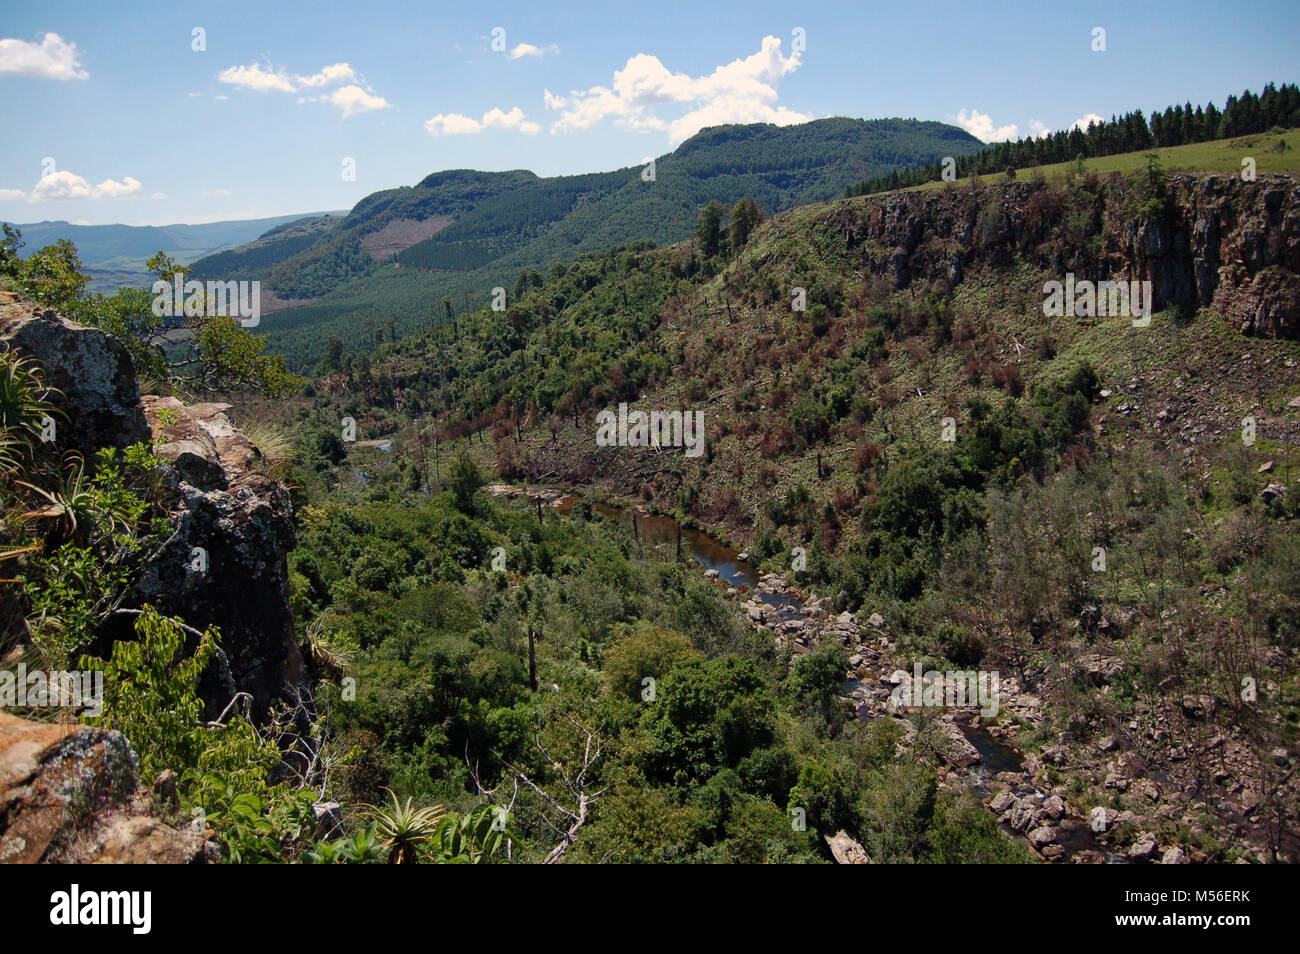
point(159, 113)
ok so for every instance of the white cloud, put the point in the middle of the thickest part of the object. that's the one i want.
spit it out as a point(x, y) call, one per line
point(980, 125)
point(53, 58)
point(69, 185)
point(216, 192)
point(221, 97)
point(743, 91)
point(452, 124)
point(353, 100)
point(1082, 122)
point(255, 78)
point(334, 73)
point(527, 49)
point(511, 120)
point(1038, 129)
point(456, 124)
point(158, 195)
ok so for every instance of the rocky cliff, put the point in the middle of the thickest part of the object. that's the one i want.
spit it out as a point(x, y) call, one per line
point(225, 565)
point(1223, 243)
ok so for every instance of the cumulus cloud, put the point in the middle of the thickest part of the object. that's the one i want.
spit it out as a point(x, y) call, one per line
point(456, 124)
point(743, 91)
point(69, 185)
point(980, 125)
point(351, 100)
point(334, 73)
point(527, 49)
point(1083, 122)
point(1038, 129)
point(53, 58)
point(216, 192)
point(255, 78)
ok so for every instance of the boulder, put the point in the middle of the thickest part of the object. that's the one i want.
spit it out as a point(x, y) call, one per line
point(70, 793)
point(93, 373)
point(1040, 838)
point(1143, 848)
point(846, 851)
point(1100, 669)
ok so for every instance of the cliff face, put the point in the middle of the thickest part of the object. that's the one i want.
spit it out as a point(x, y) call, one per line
point(225, 565)
point(1226, 244)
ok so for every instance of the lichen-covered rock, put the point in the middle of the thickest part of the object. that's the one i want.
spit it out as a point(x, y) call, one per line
point(93, 372)
point(227, 562)
point(70, 793)
point(846, 850)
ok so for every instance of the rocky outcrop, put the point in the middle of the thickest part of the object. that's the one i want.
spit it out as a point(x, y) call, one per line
point(226, 563)
point(92, 371)
point(1227, 244)
point(69, 793)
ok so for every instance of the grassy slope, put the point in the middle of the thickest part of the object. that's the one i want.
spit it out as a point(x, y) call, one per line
point(1223, 155)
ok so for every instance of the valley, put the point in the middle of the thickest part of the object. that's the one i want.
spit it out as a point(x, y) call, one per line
point(779, 507)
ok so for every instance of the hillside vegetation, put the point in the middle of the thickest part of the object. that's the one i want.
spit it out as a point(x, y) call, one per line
point(1070, 437)
point(505, 222)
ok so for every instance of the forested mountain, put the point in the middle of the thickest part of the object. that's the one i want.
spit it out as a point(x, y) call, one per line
point(924, 468)
point(504, 222)
point(253, 259)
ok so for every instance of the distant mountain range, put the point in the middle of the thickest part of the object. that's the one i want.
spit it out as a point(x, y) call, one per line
point(459, 233)
point(114, 255)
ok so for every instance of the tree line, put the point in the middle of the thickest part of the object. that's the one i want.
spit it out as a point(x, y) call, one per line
point(1131, 132)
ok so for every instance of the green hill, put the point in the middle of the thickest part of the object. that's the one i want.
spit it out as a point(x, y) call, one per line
point(504, 223)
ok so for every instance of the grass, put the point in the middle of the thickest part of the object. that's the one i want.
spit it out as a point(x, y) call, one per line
point(1273, 152)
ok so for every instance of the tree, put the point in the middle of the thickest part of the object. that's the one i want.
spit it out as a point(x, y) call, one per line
point(648, 651)
point(465, 481)
point(745, 217)
point(708, 230)
point(334, 352)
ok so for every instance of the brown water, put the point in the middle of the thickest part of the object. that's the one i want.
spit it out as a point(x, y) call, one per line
point(665, 535)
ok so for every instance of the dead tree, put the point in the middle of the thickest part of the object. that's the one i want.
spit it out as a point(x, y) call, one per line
point(570, 807)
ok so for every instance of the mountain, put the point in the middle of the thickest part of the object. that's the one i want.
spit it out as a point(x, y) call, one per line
point(114, 255)
point(460, 233)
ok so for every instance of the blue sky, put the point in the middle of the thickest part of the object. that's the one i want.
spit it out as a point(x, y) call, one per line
point(116, 118)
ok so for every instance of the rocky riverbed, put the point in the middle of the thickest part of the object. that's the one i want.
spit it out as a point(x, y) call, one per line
point(1013, 785)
